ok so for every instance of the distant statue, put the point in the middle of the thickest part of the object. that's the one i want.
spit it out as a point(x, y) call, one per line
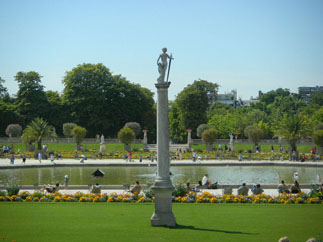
point(102, 139)
point(231, 138)
point(162, 66)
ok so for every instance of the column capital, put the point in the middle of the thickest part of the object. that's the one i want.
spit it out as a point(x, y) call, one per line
point(162, 85)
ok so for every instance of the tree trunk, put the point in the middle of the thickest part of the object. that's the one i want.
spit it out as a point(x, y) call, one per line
point(127, 147)
point(209, 146)
point(39, 145)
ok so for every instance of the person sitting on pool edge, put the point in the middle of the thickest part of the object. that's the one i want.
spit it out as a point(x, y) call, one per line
point(96, 189)
point(136, 188)
point(283, 188)
point(257, 190)
point(51, 189)
point(243, 190)
point(207, 183)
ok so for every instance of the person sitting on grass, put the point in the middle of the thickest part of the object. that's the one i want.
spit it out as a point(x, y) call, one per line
point(96, 189)
point(295, 188)
point(283, 188)
point(243, 190)
point(136, 188)
point(257, 190)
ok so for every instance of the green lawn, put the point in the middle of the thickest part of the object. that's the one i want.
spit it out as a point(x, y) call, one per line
point(131, 222)
point(59, 147)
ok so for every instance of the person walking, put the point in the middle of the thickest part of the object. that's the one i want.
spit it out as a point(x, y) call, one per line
point(66, 180)
point(194, 156)
point(23, 159)
point(12, 159)
point(39, 157)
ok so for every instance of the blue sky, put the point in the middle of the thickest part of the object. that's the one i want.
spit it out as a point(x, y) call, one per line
point(248, 45)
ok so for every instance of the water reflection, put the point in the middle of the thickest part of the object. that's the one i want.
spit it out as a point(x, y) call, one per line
point(180, 174)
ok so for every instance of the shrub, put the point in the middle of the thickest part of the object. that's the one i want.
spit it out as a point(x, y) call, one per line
point(67, 129)
point(126, 136)
point(79, 134)
point(180, 191)
point(149, 194)
point(13, 130)
point(209, 136)
point(134, 126)
point(3, 193)
point(201, 128)
point(12, 189)
point(254, 134)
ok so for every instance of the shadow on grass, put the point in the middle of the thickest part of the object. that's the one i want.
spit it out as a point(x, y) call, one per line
point(179, 226)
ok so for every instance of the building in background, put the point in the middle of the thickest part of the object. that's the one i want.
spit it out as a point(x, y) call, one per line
point(307, 92)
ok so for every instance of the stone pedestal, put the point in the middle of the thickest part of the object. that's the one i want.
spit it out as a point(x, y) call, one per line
point(163, 215)
point(103, 148)
point(145, 141)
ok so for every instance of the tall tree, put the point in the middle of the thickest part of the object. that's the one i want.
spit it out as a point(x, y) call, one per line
point(101, 102)
point(9, 115)
point(3, 90)
point(31, 100)
point(193, 103)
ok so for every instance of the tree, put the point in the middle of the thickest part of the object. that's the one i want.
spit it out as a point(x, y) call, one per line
point(68, 128)
point(193, 103)
point(79, 134)
point(126, 136)
point(9, 115)
point(293, 128)
point(36, 131)
point(102, 103)
point(254, 134)
point(134, 126)
point(318, 126)
point(201, 128)
point(318, 140)
point(31, 100)
point(13, 130)
point(317, 98)
point(56, 111)
point(176, 129)
point(209, 137)
point(3, 90)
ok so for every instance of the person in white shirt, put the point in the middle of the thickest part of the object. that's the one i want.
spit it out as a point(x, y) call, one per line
point(296, 176)
point(205, 180)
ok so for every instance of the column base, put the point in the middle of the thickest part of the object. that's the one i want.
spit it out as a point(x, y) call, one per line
point(163, 214)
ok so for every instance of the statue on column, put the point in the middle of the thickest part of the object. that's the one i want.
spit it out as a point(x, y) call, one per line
point(162, 66)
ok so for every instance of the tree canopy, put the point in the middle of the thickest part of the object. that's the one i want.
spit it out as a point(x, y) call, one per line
point(103, 102)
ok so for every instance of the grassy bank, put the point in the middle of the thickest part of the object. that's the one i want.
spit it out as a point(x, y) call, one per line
point(70, 147)
point(131, 222)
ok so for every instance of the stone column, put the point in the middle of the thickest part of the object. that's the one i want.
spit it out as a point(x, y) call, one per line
point(189, 138)
point(145, 138)
point(163, 215)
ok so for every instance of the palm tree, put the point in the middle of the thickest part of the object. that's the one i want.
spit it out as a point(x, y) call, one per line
point(293, 128)
point(37, 130)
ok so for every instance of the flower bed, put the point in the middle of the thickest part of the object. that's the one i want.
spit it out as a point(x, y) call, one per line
point(191, 197)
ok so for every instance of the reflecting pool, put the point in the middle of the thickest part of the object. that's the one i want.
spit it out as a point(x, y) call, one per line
point(180, 174)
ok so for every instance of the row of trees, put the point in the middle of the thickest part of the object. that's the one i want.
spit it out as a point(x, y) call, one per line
point(102, 103)
point(92, 97)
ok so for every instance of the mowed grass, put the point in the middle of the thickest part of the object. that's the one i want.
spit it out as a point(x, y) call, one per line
point(70, 147)
point(131, 222)
point(264, 148)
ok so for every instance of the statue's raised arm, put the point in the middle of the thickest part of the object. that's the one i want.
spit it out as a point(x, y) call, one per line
point(162, 62)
